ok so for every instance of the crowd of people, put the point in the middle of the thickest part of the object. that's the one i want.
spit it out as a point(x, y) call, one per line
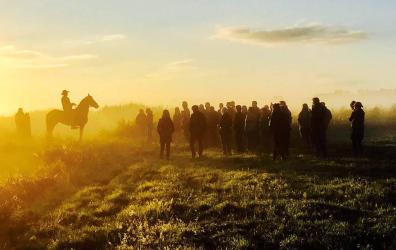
point(241, 129)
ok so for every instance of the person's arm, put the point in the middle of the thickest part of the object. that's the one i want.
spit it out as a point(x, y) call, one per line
point(352, 116)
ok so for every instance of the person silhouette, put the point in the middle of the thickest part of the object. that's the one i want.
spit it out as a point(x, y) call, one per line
point(185, 113)
point(67, 106)
point(239, 129)
point(165, 130)
point(226, 131)
point(22, 123)
point(150, 124)
point(197, 131)
point(357, 124)
point(141, 123)
point(304, 124)
point(177, 122)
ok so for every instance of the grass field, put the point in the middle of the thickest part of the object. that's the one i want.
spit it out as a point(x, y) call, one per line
point(112, 195)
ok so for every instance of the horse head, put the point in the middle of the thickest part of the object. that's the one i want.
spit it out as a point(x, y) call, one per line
point(90, 101)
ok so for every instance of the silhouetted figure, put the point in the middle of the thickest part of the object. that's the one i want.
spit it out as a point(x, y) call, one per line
point(67, 106)
point(177, 122)
point(288, 122)
point(186, 120)
point(141, 123)
point(22, 123)
point(150, 124)
point(226, 132)
point(212, 133)
point(328, 116)
point(201, 108)
point(197, 131)
point(318, 127)
point(265, 116)
point(220, 110)
point(304, 124)
point(239, 129)
point(279, 126)
point(165, 130)
point(208, 140)
point(252, 129)
point(357, 124)
point(232, 110)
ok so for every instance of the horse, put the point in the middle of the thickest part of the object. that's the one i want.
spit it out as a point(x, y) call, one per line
point(78, 118)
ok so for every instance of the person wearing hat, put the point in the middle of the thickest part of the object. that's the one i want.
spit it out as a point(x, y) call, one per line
point(67, 105)
point(357, 124)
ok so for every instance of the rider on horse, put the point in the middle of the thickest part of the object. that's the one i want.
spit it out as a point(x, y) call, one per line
point(68, 108)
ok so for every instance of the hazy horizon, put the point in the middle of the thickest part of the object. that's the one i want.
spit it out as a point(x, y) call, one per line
point(160, 53)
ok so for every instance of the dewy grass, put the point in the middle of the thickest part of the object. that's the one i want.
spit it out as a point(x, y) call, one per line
point(239, 202)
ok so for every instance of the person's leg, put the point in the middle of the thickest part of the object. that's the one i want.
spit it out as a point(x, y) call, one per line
point(162, 149)
point(229, 143)
point(274, 149)
point(200, 146)
point(223, 143)
point(192, 146)
point(168, 150)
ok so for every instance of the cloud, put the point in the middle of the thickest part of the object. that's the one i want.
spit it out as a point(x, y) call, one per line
point(97, 39)
point(40, 66)
point(113, 37)
point(78, 57)
point(11, 52)
point(170, 70)
point(29, 59)
point(313, 33)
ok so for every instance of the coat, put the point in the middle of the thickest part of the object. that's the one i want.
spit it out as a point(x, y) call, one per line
point(165, 130)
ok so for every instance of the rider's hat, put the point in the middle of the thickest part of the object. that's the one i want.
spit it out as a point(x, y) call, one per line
point(65, 92)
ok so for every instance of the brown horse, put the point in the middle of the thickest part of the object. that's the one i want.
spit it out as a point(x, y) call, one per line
point(78, 118)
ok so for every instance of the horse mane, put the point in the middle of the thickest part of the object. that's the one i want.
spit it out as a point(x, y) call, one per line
point(83, 101)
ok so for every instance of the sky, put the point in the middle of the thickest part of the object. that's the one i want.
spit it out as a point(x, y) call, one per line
point(164, 52)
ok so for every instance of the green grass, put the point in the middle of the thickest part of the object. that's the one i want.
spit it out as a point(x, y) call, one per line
point(116, 197)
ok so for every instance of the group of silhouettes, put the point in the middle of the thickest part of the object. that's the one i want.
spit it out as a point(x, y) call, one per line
point(251, 129)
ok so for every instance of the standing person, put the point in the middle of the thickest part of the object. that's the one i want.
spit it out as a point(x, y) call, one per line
point(226, 131)
point(264, 128)
point(220, 110)
point(141, 123)
point(150, 124)
point(304, 124)
point(197, 131)
point(165, 130)
point(177, 122)
point(208, 142)
point(357, 124)
point(277, 126)
point(22, 123)
point(252, 129)
point(287, 123)
point(328, 116)
point(213, 127)
point(239, 129)
point(186, 121)
point(318, 127)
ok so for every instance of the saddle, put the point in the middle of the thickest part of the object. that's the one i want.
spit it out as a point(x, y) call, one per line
point(71, 118)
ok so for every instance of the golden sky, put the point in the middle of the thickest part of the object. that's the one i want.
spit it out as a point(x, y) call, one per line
point(162, 53)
